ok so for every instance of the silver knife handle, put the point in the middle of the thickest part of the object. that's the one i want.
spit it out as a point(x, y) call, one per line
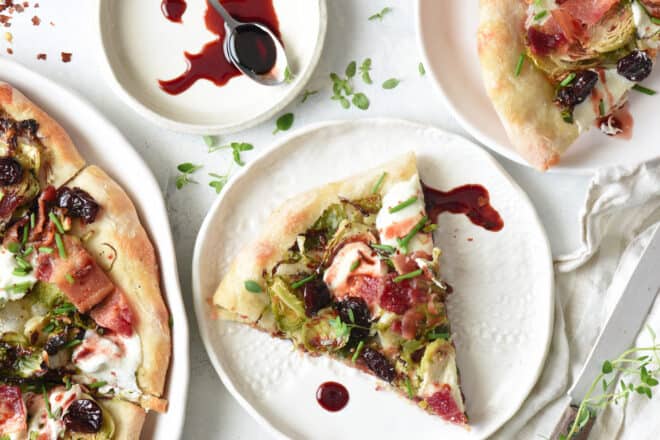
point(566, 421)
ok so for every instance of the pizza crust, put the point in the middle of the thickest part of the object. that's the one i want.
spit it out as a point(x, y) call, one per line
point(524, 103)
point(293, 217)
point(133, 268)
point(63, 159)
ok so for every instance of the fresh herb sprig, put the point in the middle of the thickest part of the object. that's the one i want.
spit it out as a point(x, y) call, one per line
point(236, 149)
point(307, 94)
point(365, 68)
point(218, 181)
point(380, 15)
point(342, 88)
point(186, 169)
point(283, 123)
point(635, 371)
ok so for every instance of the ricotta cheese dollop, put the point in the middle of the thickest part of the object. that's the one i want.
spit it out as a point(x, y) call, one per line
point(13, 286)
point(612, 89)
point(110, 360)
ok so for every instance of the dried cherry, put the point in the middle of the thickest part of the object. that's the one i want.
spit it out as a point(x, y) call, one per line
point(636, 66)
point(379, 364)
point(578, 90)
point(316, 296)
point(357, 309)
point(85, 416)
point(11, 171)
point(78, 203)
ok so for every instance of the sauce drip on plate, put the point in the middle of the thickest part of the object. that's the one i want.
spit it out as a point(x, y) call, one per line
point(332, 396)
point(210, 63)
point(471, 200)
point(173, 9)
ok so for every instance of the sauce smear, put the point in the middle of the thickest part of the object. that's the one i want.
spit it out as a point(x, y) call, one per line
point(173, 9)
point(210, 63)
point(471, 200)
point(332, 396)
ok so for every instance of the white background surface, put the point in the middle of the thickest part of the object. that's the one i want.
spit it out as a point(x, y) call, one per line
point(393, 48)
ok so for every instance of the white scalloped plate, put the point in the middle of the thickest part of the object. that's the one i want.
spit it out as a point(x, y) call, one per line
point(139, 46)
point(501, 311)
point(92, 134)
point(447, 33)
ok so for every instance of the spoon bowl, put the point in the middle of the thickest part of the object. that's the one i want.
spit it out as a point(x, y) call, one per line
point(254, 49)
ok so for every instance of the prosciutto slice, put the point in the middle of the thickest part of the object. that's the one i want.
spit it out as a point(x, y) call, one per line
point(653, 7)
point(13, 417)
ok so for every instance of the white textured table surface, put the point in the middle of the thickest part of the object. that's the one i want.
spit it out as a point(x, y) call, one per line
point(392, 45)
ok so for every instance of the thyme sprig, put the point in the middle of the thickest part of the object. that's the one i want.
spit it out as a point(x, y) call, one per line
point(635, 371)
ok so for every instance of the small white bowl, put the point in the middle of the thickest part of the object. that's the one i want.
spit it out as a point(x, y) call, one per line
point(140, 46)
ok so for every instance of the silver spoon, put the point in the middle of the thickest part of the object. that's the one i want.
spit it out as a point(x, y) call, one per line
point(241, 42)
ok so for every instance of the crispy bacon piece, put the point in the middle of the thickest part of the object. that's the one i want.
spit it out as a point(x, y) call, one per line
point(79, 276)
point(114, 314)
point(12, 410)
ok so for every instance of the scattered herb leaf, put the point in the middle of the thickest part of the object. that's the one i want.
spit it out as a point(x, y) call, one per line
point(253, 286)
point(390, 83)
point(284, 122)
point(379, 15)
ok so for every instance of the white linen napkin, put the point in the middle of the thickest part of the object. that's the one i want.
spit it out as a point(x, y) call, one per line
point(621, 211)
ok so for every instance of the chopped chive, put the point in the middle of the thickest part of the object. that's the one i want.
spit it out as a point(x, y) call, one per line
point(60, 245)
point(49, 328)
point(433, 336)
point(384, 247)
point(409, 389)
point(379, 183)
point(14, 247)
point(67, 383)
point(28, 251)
point(22, 263)
point(601, 107)
point(519, 66)
point(655, 20)
point(407, 276)
point(253, 286)
point(355, 264)
point(56, 222)
point(358, 350)
point(26, 231)
point(569, 79)
point(20, 272)
point(302, 282)
point(70, 278)
point(46, 250)
point(351, 316)
point(403, 205)
point(540, 15)
point(19, 287)
point(32, 220)
point(98, 384)
point(403, 242)
point(64, 309)
point(73, 343)
point(46, 401)
point(644, 90)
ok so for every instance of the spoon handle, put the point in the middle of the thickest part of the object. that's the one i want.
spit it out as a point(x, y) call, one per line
point(226, 16)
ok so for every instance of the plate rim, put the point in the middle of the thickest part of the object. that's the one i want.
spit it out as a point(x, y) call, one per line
point(200, 304)
point(470, 128)
point(204, 129)
point(164, 247)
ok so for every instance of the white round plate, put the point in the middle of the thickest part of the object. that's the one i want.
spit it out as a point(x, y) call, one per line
point(92, 134)
point(140, 46)
point(501, 310)
point(447, 34)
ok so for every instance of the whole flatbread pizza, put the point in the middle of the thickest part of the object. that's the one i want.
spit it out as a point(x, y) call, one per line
point(556, 68)
point(84, 335)
point(350, 271)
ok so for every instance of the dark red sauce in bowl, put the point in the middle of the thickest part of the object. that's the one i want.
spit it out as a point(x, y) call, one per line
point(332, 396)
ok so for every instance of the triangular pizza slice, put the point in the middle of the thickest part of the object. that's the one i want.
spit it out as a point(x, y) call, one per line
point(349, 270)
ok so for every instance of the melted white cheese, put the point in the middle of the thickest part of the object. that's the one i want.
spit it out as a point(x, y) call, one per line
point(41, 423)
point(8, 279)
point(387, 221)
point(647, 30)
point(111, 359)
point(337, 274)
point(613, 93)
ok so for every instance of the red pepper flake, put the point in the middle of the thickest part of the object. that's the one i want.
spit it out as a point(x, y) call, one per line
point(10, 51)
point(66, 57)
point(36, 20)
point(36, 5)
point(26, 4)
point(41, 56)
point(18, 8)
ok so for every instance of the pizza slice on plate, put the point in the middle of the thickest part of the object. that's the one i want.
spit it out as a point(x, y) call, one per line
point(349, 270)
point(84, 335)
point(556, 68)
